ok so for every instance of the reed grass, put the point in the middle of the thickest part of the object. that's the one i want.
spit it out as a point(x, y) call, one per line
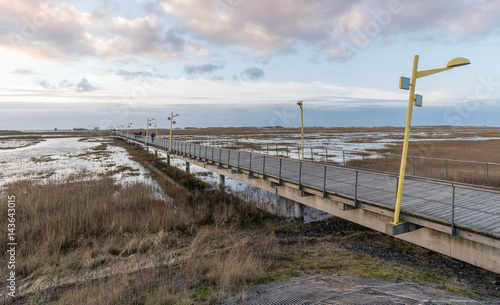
point(146, 249)
point(459, 161)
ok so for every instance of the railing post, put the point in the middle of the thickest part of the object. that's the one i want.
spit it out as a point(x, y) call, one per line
point(239, 161)
point(298, 153)
point(250, 166)
point(212, 159)
point(386, 168)
point(413, 163)
point(324, 183)
point(343, 157)
point(326, 155)
point(363, 160)
point(453, 231)
point(487, 175)
point(287, 151)
point(356, 192)
point(300, 175)
point(264, 167)
point(446, 165)
point(276, 150)
point(312, 154)
point(228, 159)
point(220, 157)
point(280, 172)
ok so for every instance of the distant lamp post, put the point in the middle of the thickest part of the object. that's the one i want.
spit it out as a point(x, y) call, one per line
point(128, 126)
point(171, 119)
point(147, 130)
point(415, 99)
point(301, 125)
point(121, 129)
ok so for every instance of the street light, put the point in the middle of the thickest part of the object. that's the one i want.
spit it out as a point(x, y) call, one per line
point(147, 129)
point(128, 126)
point(121, 127)
point(156, 127)
point(301, 125)
point(405, 84)
point(171, 119)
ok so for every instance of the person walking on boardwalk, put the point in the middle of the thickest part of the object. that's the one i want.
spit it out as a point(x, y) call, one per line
point(140, 134)
point(153, 137)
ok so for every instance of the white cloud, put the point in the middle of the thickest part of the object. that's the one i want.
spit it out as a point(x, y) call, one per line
point(58, 31)
point(271, 27)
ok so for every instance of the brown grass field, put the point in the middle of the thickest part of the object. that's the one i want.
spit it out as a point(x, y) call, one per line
point(96, 242)
point(450, 154)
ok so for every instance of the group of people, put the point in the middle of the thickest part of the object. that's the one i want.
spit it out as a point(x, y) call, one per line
point(139, 135)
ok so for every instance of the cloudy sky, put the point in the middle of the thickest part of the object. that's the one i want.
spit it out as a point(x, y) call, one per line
point(99, 63)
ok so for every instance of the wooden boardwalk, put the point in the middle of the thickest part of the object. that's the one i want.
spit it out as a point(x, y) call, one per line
point(460, 206)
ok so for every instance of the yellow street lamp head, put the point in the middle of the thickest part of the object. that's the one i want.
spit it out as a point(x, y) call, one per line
point(457, 62)
point(299, 103)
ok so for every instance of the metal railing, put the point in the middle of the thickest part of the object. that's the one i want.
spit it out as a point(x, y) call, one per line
point(464, 171)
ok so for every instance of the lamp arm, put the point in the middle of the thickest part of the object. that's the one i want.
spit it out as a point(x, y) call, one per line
point(430, 72)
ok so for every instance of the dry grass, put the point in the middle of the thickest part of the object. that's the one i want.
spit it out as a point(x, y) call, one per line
point(101, 243)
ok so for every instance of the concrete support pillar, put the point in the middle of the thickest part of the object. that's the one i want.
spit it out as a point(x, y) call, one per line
point(299, 211)
point(168, 160)
point(156, 154)
point(222, 182)
point(187, 167)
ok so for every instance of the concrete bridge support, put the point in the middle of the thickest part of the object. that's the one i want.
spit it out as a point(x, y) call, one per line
point(299, 211)
point(222, 182)
point(187, 167)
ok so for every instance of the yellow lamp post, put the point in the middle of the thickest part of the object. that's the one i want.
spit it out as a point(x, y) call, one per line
point(301, 125)
point(147, 129)
point(128, 126)
point(171, 119)
point(406, 84)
